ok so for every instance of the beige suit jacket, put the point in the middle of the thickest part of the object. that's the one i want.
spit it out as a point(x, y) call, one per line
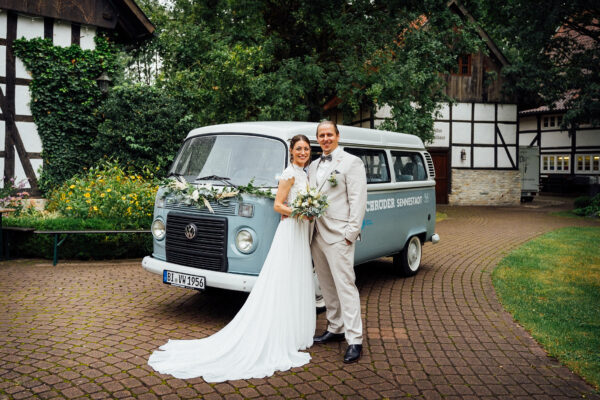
point(347, 200)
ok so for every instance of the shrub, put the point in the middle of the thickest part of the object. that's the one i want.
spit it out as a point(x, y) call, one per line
point(582, 201)
point(143, 124)
point(592, 209)
point(108, 192)
point(12, 196)
point(80, 246)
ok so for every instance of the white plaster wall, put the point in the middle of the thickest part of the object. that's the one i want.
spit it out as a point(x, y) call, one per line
point(509, 133)
point(588, 138)
point(36, 164)
point(3, 22)
point(20, 70)
point(22, 99)
point(526, 138)
point(528, 123)
point(441, 134)
point(461, 111)
point(444, 111)
point(456, 161)
point(503, 160)
point(484, 112)
point(2, 169)
point(556, 139)
point(507, 112)
point(62, 34)
point(86, 41)
point(2, 135)
point(30, 137)
point(19, 171)
point(461, 132)
point(484, 133)
point(3, 61)
point(383, 112)
point(483, 157)
point(30, 27)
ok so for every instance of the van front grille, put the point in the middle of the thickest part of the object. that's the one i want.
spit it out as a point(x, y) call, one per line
point(207, 248)
point(219, 209)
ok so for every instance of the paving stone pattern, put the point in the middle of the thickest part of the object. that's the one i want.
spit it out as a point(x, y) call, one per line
point(85, 330)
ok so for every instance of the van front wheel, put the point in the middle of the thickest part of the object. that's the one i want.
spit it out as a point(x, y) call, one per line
point(407, 263)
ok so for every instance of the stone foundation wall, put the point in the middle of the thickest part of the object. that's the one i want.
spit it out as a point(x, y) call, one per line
point(483, 187)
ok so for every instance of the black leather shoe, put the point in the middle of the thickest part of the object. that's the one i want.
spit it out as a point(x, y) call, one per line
point(329, 337)
point(353, 353)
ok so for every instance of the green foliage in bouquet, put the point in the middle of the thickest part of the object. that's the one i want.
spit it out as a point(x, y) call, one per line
point(309, 203)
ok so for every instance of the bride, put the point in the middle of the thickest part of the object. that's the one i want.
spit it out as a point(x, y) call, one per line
point(277, 319)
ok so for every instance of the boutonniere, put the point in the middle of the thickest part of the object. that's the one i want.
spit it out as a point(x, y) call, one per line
point(333, 178)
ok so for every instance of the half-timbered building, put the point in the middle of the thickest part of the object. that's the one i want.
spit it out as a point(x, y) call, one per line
point(65, 22)
point(475, 149)
point(569, 158)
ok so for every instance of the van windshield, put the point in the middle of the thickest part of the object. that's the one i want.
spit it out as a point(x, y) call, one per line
point(237, 157)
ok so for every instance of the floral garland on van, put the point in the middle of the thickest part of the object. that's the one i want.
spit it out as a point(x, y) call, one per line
point(202, 195)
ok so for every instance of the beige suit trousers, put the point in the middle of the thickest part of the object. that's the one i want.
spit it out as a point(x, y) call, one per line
point(334, 264)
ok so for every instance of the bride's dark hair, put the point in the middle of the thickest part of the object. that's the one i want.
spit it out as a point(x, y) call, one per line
point(293, 141)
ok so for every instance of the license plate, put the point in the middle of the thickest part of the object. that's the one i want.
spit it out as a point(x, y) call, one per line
point(184, 280)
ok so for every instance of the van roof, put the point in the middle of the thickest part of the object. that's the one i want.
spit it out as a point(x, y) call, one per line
point(286, 130)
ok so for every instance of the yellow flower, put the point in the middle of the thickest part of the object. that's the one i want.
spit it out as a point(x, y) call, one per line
point(123, 198)
point(95, 208)
point(88, 201)
point(69, 208)
point(102, 195)
point(86, 195)
point(66, 201)
point(72, 187)
point(70, 193)
point(108, 190)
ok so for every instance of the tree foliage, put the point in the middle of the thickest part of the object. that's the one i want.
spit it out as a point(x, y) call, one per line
point(554, 50)
point(232, 60)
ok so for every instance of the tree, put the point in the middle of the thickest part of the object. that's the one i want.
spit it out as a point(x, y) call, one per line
point(554, 49)
point(231, 60)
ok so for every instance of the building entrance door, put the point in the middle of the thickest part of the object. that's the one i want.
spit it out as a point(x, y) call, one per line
point(441, 163)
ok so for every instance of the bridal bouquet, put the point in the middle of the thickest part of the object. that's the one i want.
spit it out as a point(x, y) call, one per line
point(309, 203)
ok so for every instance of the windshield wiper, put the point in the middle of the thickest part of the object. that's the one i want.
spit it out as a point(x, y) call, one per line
point(216, 178)
point(176, 175)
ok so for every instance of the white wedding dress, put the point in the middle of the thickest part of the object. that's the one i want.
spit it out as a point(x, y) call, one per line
point(276, 321)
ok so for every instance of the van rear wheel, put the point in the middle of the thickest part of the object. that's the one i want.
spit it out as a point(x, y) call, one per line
point(408, 261)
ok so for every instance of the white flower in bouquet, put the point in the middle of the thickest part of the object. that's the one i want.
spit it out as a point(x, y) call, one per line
point(180, 184)
point(195, 195)
point(309, 203)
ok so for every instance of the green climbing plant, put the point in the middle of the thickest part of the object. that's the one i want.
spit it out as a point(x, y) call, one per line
point(65, 101)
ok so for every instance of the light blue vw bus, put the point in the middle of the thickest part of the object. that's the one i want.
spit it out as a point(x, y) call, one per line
point(225, 245)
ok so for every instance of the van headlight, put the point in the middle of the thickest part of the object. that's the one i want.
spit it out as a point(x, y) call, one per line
point(158, 229)
point(244, 241)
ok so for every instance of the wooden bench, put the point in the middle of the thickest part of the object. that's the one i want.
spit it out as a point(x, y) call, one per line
point(58, 241)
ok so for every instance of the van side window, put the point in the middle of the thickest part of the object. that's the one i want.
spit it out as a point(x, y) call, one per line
point(315, 152)
point(408, 166)
point(375, 164)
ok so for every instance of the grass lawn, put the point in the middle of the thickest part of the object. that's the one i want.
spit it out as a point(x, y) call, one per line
point(551, 285)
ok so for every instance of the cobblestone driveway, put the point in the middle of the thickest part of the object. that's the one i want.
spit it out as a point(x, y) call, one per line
point(85, 330)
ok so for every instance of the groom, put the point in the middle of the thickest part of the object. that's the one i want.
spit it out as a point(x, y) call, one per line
point(341, 176)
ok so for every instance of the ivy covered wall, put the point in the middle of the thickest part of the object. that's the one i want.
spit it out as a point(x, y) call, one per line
point(65, 101)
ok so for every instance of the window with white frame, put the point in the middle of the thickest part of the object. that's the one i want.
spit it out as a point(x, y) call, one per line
point(552, 121)
point(555, 163)
point(587, 163)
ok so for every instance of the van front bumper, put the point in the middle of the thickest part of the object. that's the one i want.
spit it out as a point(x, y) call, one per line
point(222, 280)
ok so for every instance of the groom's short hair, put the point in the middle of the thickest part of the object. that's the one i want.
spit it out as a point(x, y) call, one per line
point(337, 132)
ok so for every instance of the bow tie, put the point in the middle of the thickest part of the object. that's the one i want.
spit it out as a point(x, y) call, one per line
point(325, 158)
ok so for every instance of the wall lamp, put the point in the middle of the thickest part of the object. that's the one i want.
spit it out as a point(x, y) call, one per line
point(463, 155)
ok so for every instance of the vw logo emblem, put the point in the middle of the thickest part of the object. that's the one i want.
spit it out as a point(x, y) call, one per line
point(190, 231)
